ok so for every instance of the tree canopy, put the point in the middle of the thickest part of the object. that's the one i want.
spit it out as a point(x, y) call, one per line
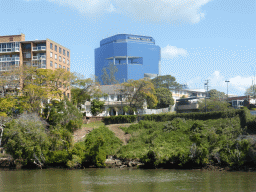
point(140, 91)
point(108, 76)
point(217, 95)
point(164, 97)
point(251, 91)
point(166, 81)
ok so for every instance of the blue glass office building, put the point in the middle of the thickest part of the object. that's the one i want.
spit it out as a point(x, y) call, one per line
point(134, 56)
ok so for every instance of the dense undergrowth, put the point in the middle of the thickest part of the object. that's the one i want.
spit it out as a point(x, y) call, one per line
point(156, 142)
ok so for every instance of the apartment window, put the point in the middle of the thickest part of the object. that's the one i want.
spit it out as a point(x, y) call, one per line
point(64, 67)
point(64, 52)
point(64, 60)
point(56, 66)
point(67, 61)
point(59, 58)
point(51, 54)
point(27, 55)
point(67, 69)
point(119, 97)
point(60, 66)
point(68, 95)
point(59, 50)
point(64, 94)
point(51, 46)
point(55, 56)
point(51, 64)
point(56, 48)
point(68, 53)
point(112, 97)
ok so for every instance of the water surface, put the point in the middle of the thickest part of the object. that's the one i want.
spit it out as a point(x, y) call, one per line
point(104, 180)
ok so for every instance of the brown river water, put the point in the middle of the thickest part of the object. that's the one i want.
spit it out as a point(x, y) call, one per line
point(116, 180)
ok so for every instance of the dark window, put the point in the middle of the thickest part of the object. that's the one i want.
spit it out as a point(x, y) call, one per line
point(64, 52)
point(51, 46)
point(59, 50)
point(56, 48)
point(68, 53)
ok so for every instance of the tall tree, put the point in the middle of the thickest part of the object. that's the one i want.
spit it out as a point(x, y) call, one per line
point(166, 81)
point(140, 91)
point(84, 89)
point(164, 97)
point(251, 91)
point(216, 95)
point(108, 76)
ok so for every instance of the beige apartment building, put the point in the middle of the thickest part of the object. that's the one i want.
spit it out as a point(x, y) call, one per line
point(15, 51)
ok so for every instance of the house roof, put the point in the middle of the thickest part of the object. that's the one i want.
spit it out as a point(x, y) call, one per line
point(111, 89)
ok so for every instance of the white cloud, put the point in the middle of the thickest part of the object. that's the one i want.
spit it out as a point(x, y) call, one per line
point(237, 85)
point(111, 8)
point(155, 10)
point(170, 52)
point(167, 10)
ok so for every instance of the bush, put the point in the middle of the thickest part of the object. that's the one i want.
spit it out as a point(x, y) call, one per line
point(98, 144)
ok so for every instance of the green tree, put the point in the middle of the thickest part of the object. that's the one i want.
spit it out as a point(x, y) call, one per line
point(63, 113)
point(98, 144)
point(25, 138)
point(84, 89)
point(251, 91)
point(96, 106)
point(108, 76)
point(164, 97)
point(213, 105)
point(140, 91)
point(216, 95)
point(166, 81)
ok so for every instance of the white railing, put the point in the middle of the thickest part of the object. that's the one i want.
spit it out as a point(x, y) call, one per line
point(9, 59)
point(39, 48)
point(42, 57)
point(5, 50)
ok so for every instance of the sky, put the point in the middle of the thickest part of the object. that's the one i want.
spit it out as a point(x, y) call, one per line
point(199, 39)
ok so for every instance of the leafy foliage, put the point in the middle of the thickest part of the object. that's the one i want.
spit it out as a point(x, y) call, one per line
point(166, 81)
point(108, 76)
point(164, 97)
point(96, 106)
point(183, 142)
point(26, 138)
point(141, 91)
point(216, 95)
point(63, 113)
point(214, 105)
point(99, 143)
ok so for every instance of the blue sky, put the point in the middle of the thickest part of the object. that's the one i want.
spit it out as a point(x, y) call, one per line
point(200, 39)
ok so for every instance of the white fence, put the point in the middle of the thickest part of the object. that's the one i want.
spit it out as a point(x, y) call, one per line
point(155, 111)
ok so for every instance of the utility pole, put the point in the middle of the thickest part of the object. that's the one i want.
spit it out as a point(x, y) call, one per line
point(227, 89)
point(207, 86)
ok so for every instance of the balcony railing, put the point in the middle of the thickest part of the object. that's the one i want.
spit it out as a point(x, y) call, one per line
point(42, 57)
point(9, 59)
point(6, 50)
point(43, 66)
point(39, 48)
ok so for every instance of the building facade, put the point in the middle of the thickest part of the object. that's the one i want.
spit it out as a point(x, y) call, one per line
point(45, 54)
point(134, 56)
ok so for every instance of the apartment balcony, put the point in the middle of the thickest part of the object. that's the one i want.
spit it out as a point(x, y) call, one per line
point(9, 59)
point(40, 66)
point(42, 57)
point(39, 48)
point(9, 50)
